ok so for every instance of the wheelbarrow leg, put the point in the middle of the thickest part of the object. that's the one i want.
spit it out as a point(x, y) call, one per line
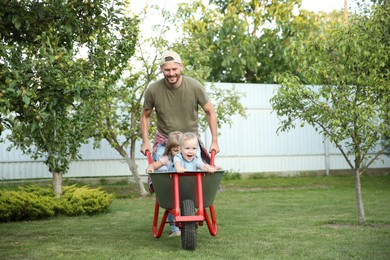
point(211, 224)
point(158, 233)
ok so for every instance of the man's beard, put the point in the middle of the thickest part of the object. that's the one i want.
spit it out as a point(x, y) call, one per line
point(173, 79)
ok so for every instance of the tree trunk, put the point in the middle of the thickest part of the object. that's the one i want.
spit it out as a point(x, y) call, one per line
point(345, 12)
point(134, 170)
point(57, 183)
point(359, 198)
point(130, 162)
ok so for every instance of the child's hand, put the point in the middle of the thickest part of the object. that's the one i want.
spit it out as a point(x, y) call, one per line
point(208, 168)
point(180, 169)
point(212, 169)
point(149, 169)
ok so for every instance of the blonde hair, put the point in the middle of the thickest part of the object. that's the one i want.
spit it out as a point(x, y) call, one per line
point(172, 142)
point(187, 136)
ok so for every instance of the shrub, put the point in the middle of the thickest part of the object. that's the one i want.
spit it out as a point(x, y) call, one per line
point(22, 205)
point(228, 176)
point(83, 200)
point(35, 202)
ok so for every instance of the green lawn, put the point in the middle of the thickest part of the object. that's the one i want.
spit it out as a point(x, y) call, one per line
point(262, 218)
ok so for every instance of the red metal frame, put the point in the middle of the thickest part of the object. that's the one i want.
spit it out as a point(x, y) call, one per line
point(201, 214)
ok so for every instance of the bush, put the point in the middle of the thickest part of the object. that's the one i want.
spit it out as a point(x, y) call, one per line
point(83, 200)
point(22, 205)
point(35, 202)
point(228, 176)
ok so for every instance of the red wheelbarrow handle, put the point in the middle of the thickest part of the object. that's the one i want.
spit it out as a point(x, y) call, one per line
point(212, 158)
point(149, 155)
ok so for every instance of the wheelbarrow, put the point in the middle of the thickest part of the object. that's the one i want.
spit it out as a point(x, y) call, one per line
point(188, 197)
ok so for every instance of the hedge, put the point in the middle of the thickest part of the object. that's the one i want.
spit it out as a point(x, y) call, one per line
point(36, 202)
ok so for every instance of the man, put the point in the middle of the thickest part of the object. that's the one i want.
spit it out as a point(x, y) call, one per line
point(176, 99)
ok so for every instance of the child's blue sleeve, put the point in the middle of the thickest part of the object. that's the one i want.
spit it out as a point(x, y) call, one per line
point(176, 158)
point(171, 167)
point(199, 163)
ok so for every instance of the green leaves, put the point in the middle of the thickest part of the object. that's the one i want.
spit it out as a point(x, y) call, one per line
point(16, 22)
point(45, 82)
point(245, 40)
point(35, 202)
point(348, 104)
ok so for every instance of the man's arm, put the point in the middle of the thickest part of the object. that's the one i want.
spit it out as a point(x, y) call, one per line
point(212, 120)
point(145, 124)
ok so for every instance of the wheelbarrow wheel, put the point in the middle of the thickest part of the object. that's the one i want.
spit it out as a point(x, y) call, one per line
point(188, 232)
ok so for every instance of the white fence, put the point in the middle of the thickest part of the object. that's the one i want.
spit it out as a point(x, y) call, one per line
point(251, 145)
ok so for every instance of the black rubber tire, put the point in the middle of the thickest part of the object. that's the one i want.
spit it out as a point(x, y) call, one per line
point(188, 232)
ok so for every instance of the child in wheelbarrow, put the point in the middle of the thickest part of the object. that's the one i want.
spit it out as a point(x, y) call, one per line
point(171, 149)
point(187, 160)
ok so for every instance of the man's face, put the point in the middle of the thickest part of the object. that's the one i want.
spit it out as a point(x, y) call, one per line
point(172, 72)
point(188, 150)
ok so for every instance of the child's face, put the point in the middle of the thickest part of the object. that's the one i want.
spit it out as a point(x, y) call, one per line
point(189, 148)
point(175, 150)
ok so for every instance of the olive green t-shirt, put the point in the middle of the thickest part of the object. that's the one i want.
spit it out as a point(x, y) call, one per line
point(176, 109)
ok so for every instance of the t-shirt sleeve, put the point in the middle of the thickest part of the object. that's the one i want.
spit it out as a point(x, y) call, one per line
point(148, 99)
point(201, 94)
point(199, 163)
point(176, 159)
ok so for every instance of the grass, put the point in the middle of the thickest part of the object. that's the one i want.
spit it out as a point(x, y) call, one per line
point(258, 218)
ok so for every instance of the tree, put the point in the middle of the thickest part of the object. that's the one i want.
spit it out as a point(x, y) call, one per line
point(116, 115)
point(26, 29)
point(45, 81)
point(341, 87)
point(116, 120)
point(244, 41)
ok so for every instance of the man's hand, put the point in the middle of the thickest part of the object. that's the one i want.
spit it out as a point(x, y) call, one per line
point(145, 147)
point(215, 147)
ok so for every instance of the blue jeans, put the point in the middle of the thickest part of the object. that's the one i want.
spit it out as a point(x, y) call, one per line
point(172, 225)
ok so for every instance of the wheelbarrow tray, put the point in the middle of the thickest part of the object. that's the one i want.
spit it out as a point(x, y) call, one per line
point(164, 190)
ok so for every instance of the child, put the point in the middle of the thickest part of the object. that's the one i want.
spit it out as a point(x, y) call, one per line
point(171, 149)
point(187, 160)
